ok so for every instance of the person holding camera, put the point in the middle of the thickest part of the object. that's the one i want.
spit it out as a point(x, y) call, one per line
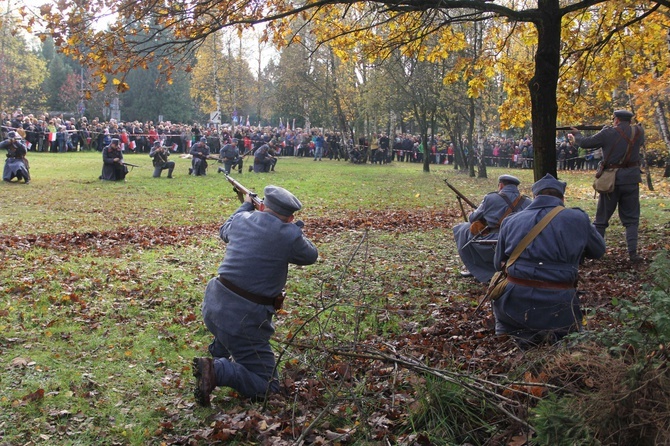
point(241, 301)
point(16, 164)
point(159, 155)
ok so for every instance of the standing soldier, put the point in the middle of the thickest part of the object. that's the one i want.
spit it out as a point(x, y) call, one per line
point(621, 150)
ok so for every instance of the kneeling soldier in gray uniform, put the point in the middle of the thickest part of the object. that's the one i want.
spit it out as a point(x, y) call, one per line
point(540, 303)
point(160, 160)
point(240, 303)
point(483, 224)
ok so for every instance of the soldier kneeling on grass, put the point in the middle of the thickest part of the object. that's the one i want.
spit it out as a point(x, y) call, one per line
point(240, 304)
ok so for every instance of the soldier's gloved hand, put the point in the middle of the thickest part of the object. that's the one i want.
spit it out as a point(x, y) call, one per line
point(299, 223)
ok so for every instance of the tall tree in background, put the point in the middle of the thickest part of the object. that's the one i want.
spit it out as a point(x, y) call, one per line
point(58, 75)
point(21, 69)
point(149, 97)
point(69, 93)
point(222, 79)
point(403, 22)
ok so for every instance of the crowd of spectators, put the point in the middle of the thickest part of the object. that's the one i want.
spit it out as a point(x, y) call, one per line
point(57, 133)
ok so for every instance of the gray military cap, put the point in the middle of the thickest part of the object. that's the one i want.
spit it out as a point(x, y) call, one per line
point(509, 179)
point(623, 115)
point(281, 201)
point(548, 182)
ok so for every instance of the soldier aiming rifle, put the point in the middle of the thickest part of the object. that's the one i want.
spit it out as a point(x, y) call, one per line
point(477, 237)
point(643, 152)
point(160, 155)
point(241, 301)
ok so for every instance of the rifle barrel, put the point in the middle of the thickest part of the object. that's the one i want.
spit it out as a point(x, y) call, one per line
point(491, 242)
point(580, 127)
point(460, 195)
point(241, 191)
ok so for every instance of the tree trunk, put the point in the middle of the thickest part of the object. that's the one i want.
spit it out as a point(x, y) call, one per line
point(471, 145)
point(341, 119)
point(662, 125)
point(543, 85)
point(481, 160)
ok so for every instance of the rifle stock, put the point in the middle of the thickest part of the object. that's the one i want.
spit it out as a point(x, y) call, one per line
point(241, 191)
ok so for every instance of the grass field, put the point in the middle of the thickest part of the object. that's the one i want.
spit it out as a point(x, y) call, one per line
point(102, 282)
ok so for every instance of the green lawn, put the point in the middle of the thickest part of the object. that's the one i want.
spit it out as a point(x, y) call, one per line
point(101, 282)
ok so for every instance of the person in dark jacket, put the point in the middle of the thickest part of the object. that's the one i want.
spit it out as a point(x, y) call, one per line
point(113, 168)
point(200, 152)
point(159, 155)
point(229, 155)
point(16, 164)
point(264, 159)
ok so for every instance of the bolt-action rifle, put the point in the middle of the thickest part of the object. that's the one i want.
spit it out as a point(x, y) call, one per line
point(580, 127)
point(131, 165)
point(461, 199)
point(241, 191)
point(650, 183)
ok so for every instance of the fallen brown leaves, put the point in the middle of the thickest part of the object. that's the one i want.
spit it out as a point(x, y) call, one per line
point(150, 236)
point(453, 338)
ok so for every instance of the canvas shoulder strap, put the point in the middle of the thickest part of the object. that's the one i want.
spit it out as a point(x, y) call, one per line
point(532, 234)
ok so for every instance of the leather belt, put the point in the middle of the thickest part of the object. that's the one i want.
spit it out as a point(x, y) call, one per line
point(251, 297)
point(541, 283)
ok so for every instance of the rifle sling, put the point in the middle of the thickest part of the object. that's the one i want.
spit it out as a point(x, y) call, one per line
point(512, 206)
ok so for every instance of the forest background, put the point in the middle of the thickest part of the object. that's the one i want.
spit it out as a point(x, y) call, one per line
point(465, 82)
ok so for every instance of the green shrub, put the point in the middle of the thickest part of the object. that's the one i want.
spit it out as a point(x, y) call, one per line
point(448, 415)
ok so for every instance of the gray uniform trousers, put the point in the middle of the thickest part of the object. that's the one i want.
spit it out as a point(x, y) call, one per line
point(247, 364)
